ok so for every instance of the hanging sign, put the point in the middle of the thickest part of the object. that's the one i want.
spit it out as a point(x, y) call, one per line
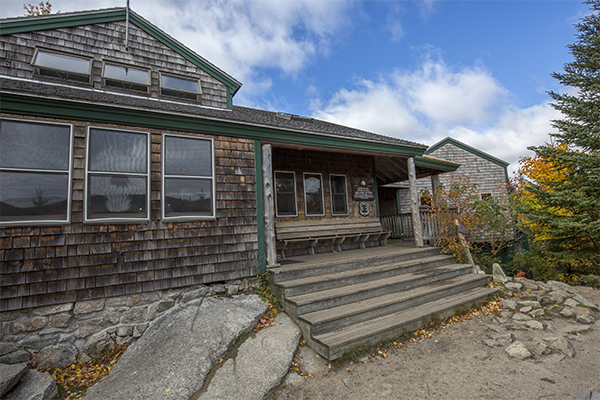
point(362, 191)
point(363, 208)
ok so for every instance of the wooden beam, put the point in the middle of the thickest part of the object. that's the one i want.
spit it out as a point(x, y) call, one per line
point(267, 172)
point(414, 203)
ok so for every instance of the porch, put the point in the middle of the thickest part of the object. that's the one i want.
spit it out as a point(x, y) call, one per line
point(359, 297)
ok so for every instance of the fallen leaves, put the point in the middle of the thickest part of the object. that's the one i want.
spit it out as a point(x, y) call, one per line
point(74, 381)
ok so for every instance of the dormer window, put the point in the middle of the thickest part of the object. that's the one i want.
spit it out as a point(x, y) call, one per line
point(125, 77)
point(182, 88)
point(62, 66)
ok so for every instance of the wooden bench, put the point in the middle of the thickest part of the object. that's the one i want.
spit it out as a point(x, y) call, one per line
point(336, 230)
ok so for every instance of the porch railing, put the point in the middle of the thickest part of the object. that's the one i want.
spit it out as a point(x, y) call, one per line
point(401, 225)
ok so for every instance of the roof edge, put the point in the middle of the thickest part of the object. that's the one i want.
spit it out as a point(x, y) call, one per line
point(436, 163)
point(464, 146)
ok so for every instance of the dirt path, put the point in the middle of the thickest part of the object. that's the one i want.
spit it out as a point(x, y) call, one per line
point(455, 363)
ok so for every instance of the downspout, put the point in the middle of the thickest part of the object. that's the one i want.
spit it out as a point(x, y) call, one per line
point(127, 27)
point(260, 207)
point(375, 188)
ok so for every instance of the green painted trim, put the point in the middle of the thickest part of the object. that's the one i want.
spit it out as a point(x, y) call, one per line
point(468, 148)
point(375, 186)
point(152, 119)
point(398, 202)
point(260, 208)
point(442, 165)
point(56, 21)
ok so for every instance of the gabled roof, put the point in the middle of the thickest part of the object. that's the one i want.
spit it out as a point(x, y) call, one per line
point(56, 21)
point(468, 148)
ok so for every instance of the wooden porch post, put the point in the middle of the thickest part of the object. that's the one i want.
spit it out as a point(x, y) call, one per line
point(414, 202)
point(267, 172)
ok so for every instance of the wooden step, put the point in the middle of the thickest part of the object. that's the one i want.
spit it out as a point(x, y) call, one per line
point(332, 280)
point(309, 302)
point(330, 319)
point(333, 345)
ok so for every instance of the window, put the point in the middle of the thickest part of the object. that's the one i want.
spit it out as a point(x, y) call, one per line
point(35, 165)
point(339, 197)
point(313, 194)
point(182, 88)
point(188, 177)
point(117, 175)
point(126, 77)
point(285, 194)
point(62, 66)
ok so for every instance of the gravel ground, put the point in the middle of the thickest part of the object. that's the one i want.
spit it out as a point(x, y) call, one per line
point(455, 363)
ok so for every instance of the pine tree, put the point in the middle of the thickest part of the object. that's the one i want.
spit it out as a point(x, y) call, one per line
point(567, 210)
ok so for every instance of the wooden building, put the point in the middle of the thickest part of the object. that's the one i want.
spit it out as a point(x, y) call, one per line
point(125, 167)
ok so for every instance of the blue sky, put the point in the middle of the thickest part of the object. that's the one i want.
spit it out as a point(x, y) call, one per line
point(420, 70)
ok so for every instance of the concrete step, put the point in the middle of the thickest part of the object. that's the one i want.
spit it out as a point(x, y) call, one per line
point(310, 302)
point(332, 280)
point(330, 319)
point(333, 345)
point(306, 266)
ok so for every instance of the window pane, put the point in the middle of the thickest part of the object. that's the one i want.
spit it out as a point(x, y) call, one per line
point(338, 184)
point(188, 85)
point(128, 74)
point(117, 196)
point(285, 194)
point(185, 156)
point(184, 196)
point(62, 62)
point(34, 146)
point(114, 151)
point(339, 203)
point(33, 196)
point(313, 194)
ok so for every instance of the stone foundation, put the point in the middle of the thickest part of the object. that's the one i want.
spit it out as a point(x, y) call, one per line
point(56, 335)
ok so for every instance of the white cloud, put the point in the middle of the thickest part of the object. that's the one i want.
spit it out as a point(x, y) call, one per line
point(434, 101)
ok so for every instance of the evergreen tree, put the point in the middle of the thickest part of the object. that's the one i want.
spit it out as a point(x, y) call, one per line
point(566, 211)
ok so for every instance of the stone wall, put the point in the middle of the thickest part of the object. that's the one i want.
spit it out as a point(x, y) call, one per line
point(56, 335)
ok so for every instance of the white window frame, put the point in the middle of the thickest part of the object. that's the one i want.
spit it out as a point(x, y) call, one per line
point(295, 195)
point(322, 195)
point(38, 66)
point(69, 172)
point(187, 78)
point(345, 193)
point(125, 82)
point(88, 172)
point(212, 177)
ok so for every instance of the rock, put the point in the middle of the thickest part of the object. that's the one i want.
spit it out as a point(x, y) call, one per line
point(537, 312)
point(562, 286)
point(61, 320)
point(498, 273)
point(90, 327)
point(98, 343)
point(541, 349)
point(564, 347)
point(567, 312)
point(510, 304)
point(558, 295)
point(348, 383)
point(505, 314)
point(124, 330)
point(521, 317)
point(529, 284)
point(84, 358)
point(593, 295)
point(504, 338)
point(571, 303)
point(48, 310)
point(535, 325)
point(34, 386)
point(491, 343)
point(293, 379)
point(251, 375)
point(187, 340)
point(576, 329)
point(495, 328)
point(311, 363)
point(10, 376)
point(86, 307)
point(526, 309)
point(194, 294)
point(518, 350)
point(135, 315)
point(139, 330)
point(15, 357)
point(530, 303)
point(583, 315)
point(513, 285)
point(9, 347)
point(585, 301)
point(58, 356)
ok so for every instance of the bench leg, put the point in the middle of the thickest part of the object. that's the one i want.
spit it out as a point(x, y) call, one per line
point(337, 243)
point(361, 240)
point(310, 243)
point(383, 238)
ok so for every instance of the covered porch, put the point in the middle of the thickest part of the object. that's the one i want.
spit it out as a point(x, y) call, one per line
point(320, 199)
